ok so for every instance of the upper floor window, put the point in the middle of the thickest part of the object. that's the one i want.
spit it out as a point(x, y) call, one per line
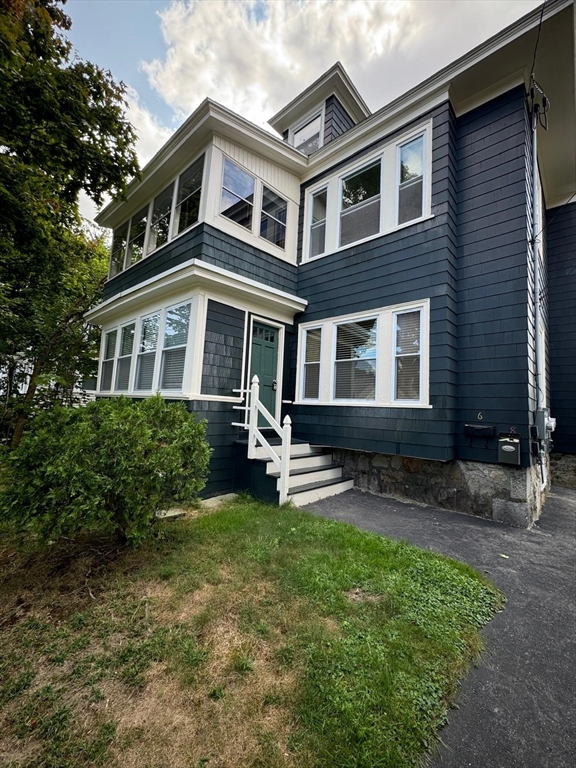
point(410, 184)
point(238, 201)
point(307, 137)
point(237, 194)
point(163, 218)
point(390, 188)
point(360, 204)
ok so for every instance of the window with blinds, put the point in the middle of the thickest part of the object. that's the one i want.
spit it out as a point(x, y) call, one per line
point(108, 361)
point(355, 363)
point(360, 205)
point(174, 350)
point(124, 362)
point(312, 350)
point(411, 182)
point(407, 356)
point(147, 352)
point(318, 224)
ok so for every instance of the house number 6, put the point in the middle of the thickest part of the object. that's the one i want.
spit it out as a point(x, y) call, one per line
point(480, 417)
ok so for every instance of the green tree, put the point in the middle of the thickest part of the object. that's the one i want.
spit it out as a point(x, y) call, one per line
point(62, 129)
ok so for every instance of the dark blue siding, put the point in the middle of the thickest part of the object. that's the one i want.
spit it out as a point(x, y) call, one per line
point(412, 264)
point(221, 435)
point(223, 349)
point(215, 247)
point(493, 157)
point(336, 119)
point(561, 241)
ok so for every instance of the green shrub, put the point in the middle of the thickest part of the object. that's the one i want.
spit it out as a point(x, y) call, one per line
point(108, 466)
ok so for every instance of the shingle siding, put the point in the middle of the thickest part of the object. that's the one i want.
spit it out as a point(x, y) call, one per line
point(221, 435)
point(409, 265)
point(223, 349)
point(561, 242)
point(336, 119)
point(493, 160)
point(215, 247)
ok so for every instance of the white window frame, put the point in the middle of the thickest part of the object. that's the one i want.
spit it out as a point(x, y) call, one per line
point(314, 113)
point(107, 359)
point(354, 400)
point(163, 347)
point(257, 195)
point(385, 357)
point(119, 357)
point(395, 356)
point(262, 212)
point(311, 223)
point(389, 159)
point(426, 178)
point(141, 319)
point(303, 397)
point(171, 234)
point(341, 180)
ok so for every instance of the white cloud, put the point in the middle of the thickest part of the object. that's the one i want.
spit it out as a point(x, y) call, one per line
point(254, 56)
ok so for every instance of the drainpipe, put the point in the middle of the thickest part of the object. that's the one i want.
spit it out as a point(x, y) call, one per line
point(537, 281)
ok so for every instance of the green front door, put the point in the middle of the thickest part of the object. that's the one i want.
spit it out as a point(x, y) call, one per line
point(264, 364)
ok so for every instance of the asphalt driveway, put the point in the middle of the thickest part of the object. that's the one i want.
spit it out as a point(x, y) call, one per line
point(518, 709)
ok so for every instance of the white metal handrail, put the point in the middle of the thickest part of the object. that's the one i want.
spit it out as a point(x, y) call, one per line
point(254, 408)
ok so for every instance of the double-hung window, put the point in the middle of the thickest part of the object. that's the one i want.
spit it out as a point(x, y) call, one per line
point(108, 361)
point(237, 194)
point(147, 352)
point(174, 349)
point(379, 359)
point(313, 347)
point(411, 180)
point(119, 243)
point(355, 360)
point(124, 362)
point(407, 331)
point(360, 204)
point(160, 224)
point(318, 224)
point(273, 217)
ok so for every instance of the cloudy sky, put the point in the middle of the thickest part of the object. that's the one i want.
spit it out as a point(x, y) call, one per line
point(254, 56)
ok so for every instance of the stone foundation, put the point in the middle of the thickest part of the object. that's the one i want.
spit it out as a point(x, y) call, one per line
point(508, 494)
point(563, 467)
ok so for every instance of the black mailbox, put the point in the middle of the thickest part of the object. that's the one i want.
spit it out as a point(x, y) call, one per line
point(509, 449)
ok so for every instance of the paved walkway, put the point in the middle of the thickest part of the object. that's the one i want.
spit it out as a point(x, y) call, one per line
point(517, 710)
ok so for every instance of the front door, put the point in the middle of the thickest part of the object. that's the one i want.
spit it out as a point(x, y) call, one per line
point(264, 364)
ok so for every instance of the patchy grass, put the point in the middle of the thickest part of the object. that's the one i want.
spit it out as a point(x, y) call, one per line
point(251, 636)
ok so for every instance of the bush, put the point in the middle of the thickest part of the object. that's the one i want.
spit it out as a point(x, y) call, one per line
point(108, 467)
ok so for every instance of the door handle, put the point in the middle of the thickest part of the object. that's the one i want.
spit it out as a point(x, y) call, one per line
point(274, 385)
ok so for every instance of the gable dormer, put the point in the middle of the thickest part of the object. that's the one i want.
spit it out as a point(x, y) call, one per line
point(325, 110)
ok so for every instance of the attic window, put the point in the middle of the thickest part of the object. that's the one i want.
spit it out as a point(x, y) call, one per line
point(307, 137)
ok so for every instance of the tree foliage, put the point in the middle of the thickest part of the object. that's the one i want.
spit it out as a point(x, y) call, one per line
point(108, 466)
point(62, 129)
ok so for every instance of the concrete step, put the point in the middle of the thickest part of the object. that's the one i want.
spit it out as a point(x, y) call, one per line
point(307, 494)
point(302, 477)
point(307, 461)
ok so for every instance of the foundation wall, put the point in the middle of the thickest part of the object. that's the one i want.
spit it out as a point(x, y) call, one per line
point(507, 494)
point(563, 468)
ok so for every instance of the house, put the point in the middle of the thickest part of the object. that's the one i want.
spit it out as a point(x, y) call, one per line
point(402, 283)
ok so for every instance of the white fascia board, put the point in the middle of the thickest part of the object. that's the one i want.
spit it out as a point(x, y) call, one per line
point(191, 273)
point(427, 94)
point(203, 123)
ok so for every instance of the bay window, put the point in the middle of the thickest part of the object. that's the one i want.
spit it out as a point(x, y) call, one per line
point(124, 364)
point(378, 360)
point(108, 360)
point(174, 351)
point(147, 352)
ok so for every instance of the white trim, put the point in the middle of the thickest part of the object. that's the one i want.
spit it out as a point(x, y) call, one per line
point(279, 358)
point(304, 335)
point(318, 111)
point(385, 359)
point(388, 156)
point(200, 273)
point(335, 325)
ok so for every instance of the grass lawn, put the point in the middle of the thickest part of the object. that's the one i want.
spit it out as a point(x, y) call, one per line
point(251, 636)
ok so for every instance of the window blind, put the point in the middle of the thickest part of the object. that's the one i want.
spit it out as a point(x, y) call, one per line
point(312, 363)
point(173, 368)
point(408, 356)
point(355, 364)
